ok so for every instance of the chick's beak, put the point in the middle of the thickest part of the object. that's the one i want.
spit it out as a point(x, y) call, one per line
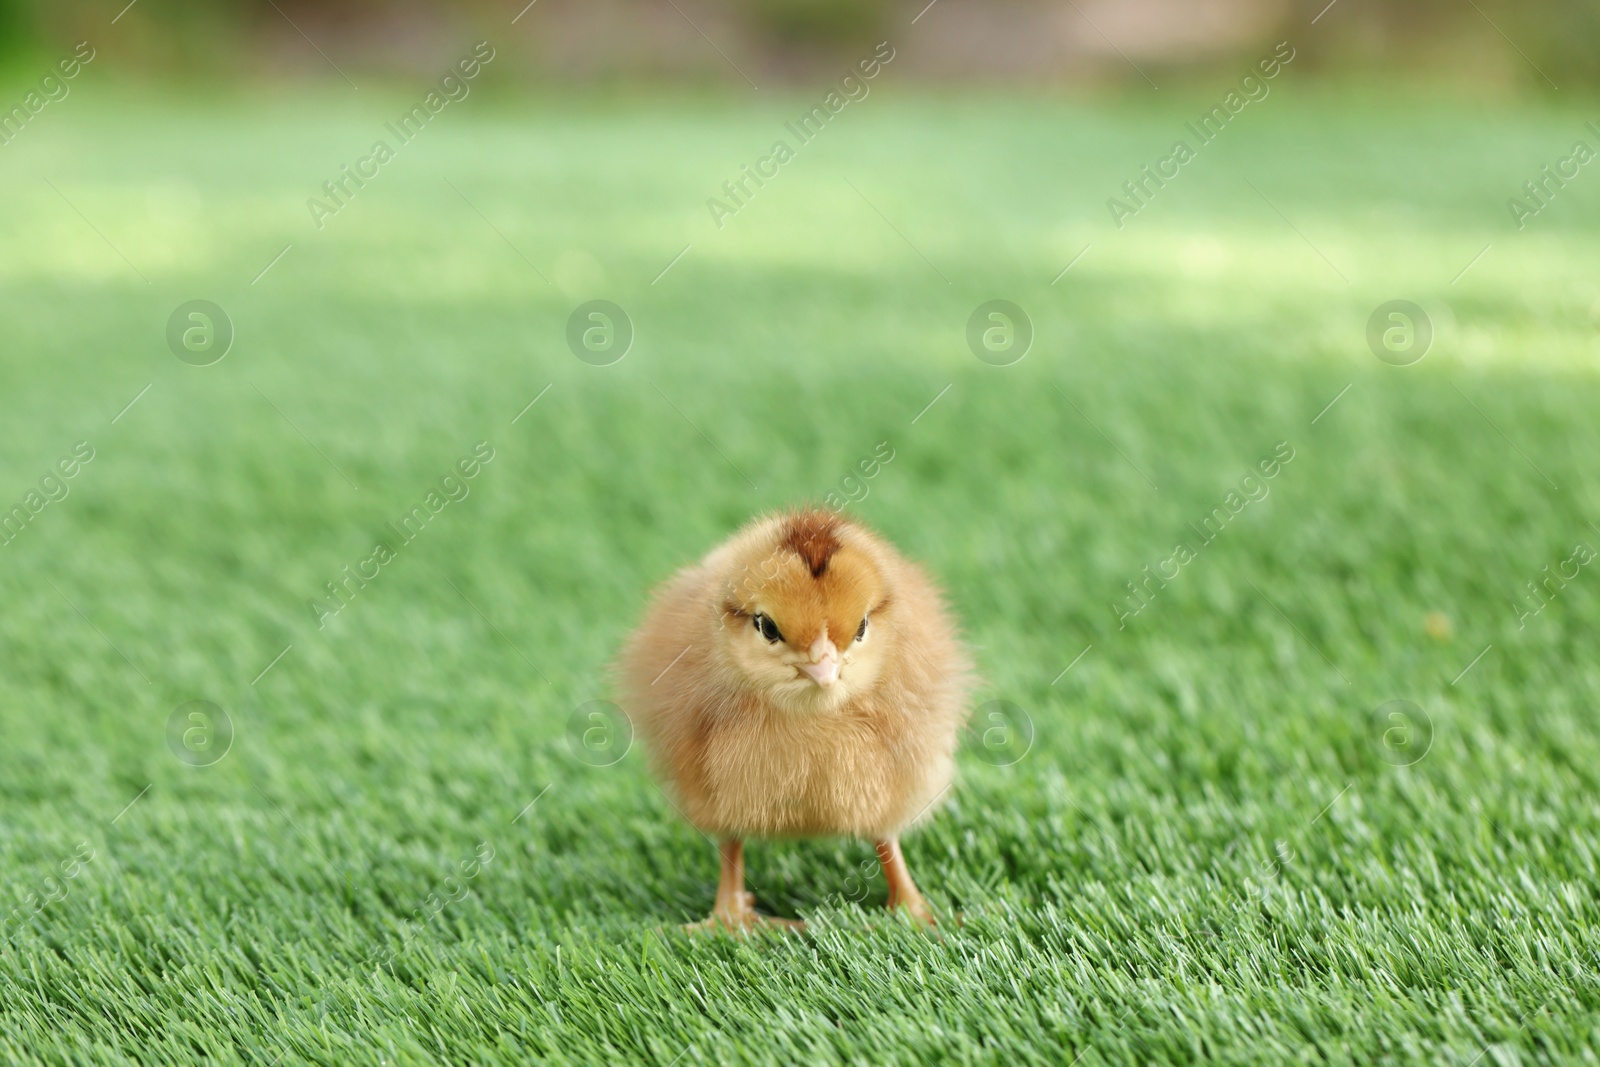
point(824, 666)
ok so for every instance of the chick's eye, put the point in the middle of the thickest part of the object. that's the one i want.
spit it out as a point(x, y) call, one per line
point(861, 631)
point(768, 628)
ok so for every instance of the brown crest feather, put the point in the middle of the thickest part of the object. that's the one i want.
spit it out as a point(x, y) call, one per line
point(814, 536)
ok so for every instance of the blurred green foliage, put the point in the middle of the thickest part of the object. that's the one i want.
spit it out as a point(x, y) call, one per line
point(1494, 42)
point(840, 23)
point(1540, 44)
point(16, 26)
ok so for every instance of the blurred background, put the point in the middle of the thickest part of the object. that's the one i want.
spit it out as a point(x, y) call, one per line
point(1087, 42)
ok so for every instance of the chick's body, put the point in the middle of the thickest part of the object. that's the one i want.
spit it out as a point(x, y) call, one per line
point(802, 679)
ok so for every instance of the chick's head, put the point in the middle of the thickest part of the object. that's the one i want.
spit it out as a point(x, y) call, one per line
point(807, 612)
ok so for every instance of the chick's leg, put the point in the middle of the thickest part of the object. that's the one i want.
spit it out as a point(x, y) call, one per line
point(735, 909)
point(903, 892)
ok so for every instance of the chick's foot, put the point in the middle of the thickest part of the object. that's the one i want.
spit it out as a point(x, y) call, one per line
point(737, 915)
point(735, 909)
point(916, 907)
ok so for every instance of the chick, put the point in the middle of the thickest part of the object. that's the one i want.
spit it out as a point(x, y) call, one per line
point(801, 680)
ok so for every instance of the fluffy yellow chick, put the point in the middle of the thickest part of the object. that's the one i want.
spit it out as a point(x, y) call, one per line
point(801, 680)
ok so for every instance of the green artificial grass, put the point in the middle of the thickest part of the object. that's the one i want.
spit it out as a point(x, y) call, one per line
point(1217, 845)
